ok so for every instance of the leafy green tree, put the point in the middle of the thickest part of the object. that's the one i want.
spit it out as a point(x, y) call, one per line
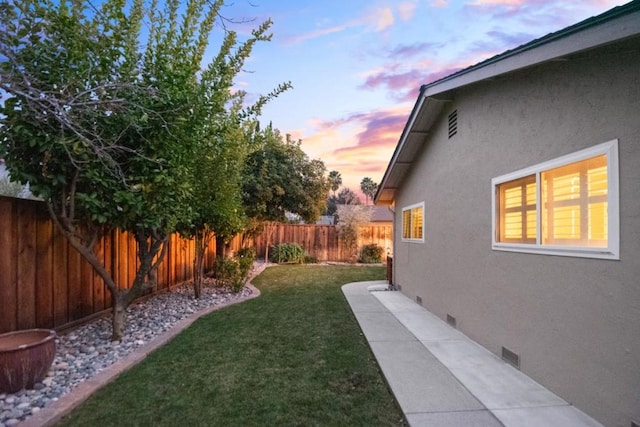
point(222, 133)
point(368, 188)
point(351, 217)
point(347, 197)
point(335, 181)
point(332, 205)
point(99, 124)
point(280, 178)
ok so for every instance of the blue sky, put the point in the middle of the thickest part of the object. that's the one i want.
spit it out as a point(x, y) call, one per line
point(356, 66)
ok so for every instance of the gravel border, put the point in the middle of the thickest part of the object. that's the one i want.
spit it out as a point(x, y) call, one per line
point(86, 359)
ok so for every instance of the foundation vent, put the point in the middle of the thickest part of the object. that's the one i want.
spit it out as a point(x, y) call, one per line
point(419, 300)
point(510, 357)
point(453, 123)
point(451, 320)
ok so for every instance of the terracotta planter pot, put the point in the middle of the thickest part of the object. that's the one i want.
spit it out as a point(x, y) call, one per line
point(25, 358)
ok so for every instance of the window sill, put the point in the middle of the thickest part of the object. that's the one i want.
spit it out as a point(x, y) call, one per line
point(597, 253)
point(412, 240)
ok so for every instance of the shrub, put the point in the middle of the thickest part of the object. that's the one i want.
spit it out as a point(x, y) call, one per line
point(351, 217)
point(232, 273)
point(310, 259)
point(288, 253)
point(371, 254)
point(245, 258)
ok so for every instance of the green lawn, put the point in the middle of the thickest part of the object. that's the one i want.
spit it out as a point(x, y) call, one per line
point(293, 356)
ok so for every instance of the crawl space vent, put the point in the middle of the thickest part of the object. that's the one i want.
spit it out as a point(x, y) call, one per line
point(451, 320)
point(510, 357)
point(453, 123)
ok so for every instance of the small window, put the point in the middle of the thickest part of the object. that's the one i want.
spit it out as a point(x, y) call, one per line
point(567, 206)
point(413, 223)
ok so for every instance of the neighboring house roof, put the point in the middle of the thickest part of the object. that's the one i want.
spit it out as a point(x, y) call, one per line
point(381, 214)
point(326, 220)
point(615, 25)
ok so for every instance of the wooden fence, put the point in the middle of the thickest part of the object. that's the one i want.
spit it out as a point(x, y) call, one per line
point(46, 283)
point(323, 241)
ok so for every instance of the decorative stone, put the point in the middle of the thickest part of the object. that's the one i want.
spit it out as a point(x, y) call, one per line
point(83, 352)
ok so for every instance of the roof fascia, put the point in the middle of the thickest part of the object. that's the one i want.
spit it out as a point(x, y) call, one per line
point(400, 146)
point(549, 48)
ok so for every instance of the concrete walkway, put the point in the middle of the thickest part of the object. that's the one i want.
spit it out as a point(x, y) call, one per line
point(441, 378)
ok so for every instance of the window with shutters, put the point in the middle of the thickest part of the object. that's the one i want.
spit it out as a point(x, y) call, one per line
point(566, 206)
point(413, 223)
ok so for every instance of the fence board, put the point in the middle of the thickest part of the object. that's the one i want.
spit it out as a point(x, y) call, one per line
point(26, 279)
point(132, 248)
point(60, 291)
point(86, 285)
point(44, 271)
point(8, 286)
point(98, 282)
point(74, 286)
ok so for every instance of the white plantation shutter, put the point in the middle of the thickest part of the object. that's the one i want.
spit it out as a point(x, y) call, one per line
point(413, 222)
point(574, 209)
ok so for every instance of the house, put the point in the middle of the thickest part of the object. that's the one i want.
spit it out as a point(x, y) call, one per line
point(516, 191)
point(381, 215)
point(4, 173)
point(10, 188)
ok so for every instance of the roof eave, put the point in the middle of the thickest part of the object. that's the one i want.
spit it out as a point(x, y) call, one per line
point(620, 23)
point(421, 119)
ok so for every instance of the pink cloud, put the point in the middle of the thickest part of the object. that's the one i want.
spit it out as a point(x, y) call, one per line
point(357, 145)
point(407, 10)
point(319, 33)
point(405, 51)
point(537, 13)
point(381, 18)
point(404, 86)
point(376, 19)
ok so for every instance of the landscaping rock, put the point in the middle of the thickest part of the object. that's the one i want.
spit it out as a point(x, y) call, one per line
point(87, 350)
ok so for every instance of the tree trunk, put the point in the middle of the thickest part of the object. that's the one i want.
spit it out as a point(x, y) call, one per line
point(198, 265)
point(148, 248)
point(221, 248)
point(269, 230)
point(202, 240)
point(118, 316)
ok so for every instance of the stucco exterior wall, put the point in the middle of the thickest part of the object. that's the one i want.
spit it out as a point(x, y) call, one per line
point(574, 322)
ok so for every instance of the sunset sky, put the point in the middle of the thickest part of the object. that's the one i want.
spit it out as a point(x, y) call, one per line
point(357, 66)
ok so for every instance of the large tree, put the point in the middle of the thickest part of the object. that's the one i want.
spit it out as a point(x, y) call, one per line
point(335, 181)
point(346, 196)
point(222, 129)
point(279, 178)
point(100, 124)
point(369, 188)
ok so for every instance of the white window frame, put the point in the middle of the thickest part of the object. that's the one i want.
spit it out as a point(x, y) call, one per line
point(408, 208)
point(612, 251)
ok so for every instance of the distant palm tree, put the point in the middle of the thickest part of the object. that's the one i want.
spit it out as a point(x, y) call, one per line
point(335, 180)
point(368, 188)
